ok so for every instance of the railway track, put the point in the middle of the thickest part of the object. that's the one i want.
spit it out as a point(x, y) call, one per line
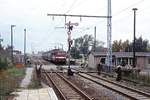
point(65, 89)
point(125, 79)
point(131, 93)
point(128, 92)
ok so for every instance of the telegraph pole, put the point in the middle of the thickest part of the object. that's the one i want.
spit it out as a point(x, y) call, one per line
point(94, 38)
point(12, 58)
point(134, 37)
point(24, 47)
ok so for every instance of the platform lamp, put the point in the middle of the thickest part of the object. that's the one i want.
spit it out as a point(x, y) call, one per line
point(12, 58)
point(134, 37)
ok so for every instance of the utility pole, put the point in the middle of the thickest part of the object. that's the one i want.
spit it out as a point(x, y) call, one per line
point(94, 38)
point(25, 47)
point(109, 46)
point(12, 58)
point(134, 37)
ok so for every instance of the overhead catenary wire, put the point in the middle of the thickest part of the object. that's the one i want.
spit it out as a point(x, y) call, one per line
point(71, 6)
point(129, 7)
point(77, 5)
point(122, 10)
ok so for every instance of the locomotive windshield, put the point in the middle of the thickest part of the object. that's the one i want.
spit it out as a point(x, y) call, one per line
point(61, 53)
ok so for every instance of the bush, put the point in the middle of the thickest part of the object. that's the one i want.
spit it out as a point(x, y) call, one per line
point(10, 80)
point(7, 84)
point(3, 64)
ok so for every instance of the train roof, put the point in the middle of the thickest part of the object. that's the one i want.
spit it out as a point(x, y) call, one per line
point(55, 50)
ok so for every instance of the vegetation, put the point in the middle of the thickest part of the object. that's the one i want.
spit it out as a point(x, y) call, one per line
point(35, 82)
point(141, 45)
point(4, 57)
point(120, 46)
point(9, 81)
point(3, 64)
point(83, 45)
point(16, 72)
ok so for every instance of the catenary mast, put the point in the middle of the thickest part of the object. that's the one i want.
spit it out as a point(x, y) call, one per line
point(109, 37)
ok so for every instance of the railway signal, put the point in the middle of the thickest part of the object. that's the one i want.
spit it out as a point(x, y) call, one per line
point(109, 28)
point(70, 28)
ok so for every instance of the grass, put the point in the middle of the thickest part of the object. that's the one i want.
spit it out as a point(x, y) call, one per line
point(16, 72)
point(9, 80)
point(35, 82)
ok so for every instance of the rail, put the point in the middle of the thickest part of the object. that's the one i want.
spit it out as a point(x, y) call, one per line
point(124, 90)
point(55, 86)
point(74, 87)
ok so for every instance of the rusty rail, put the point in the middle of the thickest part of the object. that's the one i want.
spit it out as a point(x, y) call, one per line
point(55, 86)
point(131, 90)
point(74, 87)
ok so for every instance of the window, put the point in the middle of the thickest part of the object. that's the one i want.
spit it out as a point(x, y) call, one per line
point(102, 60)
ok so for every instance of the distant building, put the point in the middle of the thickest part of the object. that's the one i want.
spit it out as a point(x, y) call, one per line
point(4, 55)
point(18, 57)
point(142, 59)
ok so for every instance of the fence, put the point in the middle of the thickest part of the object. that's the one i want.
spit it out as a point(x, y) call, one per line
point(140, 77)
point(143, 77)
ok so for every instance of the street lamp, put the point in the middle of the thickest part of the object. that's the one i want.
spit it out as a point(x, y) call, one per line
point(24, 47)
point(12, 59)
point(134, 31)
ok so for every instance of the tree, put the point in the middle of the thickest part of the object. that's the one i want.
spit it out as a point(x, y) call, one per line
point(118, 46)
point(82, 45)
point(140, 45)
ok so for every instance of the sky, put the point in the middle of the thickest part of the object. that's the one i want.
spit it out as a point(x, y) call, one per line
point(43, 32)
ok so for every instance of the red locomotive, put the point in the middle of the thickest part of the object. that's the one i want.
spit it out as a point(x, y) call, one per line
point(55, 56)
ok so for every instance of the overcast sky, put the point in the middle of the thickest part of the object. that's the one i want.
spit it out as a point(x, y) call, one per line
point(42, 33)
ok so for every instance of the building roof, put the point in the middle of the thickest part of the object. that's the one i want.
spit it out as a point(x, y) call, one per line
point(123, 54)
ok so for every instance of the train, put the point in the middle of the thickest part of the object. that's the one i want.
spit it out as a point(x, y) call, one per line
point(55, 56)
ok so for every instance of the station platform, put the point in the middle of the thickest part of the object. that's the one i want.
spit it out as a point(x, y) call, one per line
point(35, 94)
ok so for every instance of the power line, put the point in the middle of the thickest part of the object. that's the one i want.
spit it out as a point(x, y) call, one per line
point(80, 3)
point(71, 6)
point(128, 7)
point(121, 11)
